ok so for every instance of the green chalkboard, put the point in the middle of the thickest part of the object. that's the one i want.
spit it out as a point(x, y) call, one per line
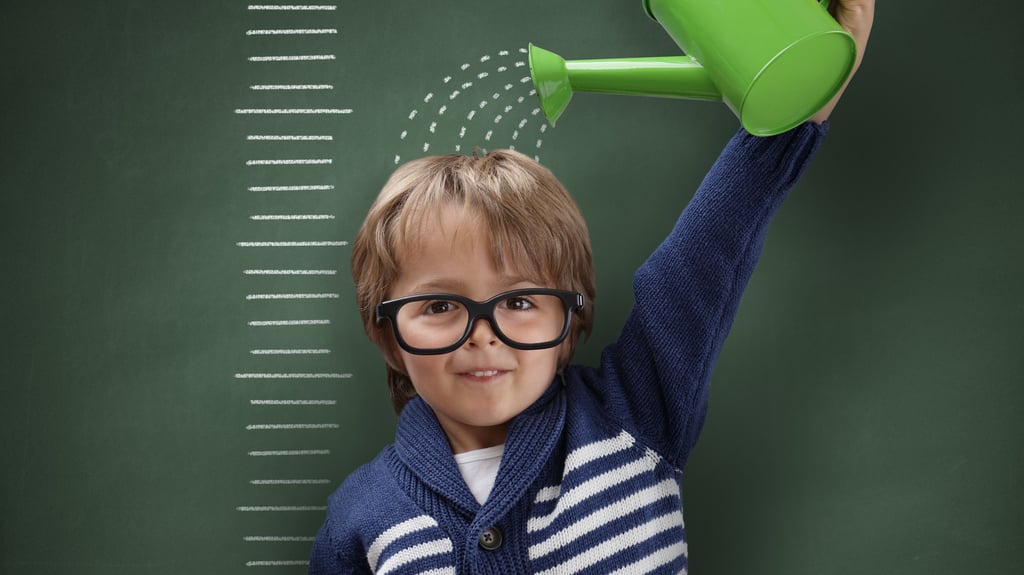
point(185, 378)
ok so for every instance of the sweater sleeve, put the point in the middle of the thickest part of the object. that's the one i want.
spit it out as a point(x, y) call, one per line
point(656, 374)
point(325, 559)
point(329, 556)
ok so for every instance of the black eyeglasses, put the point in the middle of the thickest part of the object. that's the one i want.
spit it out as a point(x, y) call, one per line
point(433, 324)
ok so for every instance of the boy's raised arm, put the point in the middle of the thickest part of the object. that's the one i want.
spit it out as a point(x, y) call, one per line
point(688, 292)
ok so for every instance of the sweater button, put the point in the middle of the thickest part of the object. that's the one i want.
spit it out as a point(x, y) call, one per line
point(490, 539)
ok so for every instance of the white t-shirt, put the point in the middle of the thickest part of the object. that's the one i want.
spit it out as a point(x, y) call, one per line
point(479, 468)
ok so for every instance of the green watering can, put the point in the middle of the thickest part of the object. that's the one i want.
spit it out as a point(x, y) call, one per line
point(775, 63)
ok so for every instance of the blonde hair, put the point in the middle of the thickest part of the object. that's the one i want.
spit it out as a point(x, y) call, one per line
point(535, 227)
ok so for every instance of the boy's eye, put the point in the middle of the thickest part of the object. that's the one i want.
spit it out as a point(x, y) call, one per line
point(517, 304)
point(438, 307)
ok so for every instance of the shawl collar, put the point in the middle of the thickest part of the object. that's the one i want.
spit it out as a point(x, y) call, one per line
point(422, 447)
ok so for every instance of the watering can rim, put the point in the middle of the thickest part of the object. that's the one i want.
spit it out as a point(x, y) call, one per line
point(647, 7)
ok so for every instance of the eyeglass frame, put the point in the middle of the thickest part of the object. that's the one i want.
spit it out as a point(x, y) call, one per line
point(388, 310)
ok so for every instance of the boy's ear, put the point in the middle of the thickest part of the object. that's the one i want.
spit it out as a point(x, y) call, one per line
point(389, 346)
point(565, 351)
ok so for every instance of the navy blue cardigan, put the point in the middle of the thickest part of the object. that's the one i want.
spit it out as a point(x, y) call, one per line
point(590, 480)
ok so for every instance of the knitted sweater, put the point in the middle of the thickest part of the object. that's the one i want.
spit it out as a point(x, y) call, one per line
point(590, 480)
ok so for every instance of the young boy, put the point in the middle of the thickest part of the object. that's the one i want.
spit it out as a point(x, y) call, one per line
point(474, 277)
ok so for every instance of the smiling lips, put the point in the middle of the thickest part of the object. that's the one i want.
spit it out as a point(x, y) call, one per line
point(483, 373)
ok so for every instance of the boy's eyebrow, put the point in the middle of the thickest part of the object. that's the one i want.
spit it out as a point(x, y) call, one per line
point(512, 280)
point(443, 285)
point(446, 286)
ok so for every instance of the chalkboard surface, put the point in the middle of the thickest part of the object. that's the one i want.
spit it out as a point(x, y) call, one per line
point(185, 379)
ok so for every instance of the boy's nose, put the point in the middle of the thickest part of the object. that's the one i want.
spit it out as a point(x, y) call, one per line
point(482, 333)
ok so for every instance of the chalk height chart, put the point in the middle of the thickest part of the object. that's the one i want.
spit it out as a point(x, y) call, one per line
point(290, 257)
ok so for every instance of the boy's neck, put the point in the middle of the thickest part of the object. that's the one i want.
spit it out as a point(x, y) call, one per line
point(474, 438)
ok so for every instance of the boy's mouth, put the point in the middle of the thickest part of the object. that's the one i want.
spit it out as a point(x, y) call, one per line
point(483, 373)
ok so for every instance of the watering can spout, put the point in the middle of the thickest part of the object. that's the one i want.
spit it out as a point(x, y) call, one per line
point(671, 76)
point(551, 80)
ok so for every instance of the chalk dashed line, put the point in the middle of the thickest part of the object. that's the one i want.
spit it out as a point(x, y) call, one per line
point(293, 110)
point(293, 7)
point(306, 188)
point(275, 538)
point(289, 426)
point(290, 244)
point(293, 58)
point(291, 87)
point(288, 322)
point(290, 272)
point(293, 401)
point(289, 138)
point(290, 481)
point(319, 351)
point(291, 162)
point(290, 217)
point(290, 31)
point(271, 296)
point(272, 508)
point(290, 453)
point(293, 376)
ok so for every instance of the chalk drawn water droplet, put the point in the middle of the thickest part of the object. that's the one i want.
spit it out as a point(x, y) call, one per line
point(457, 123)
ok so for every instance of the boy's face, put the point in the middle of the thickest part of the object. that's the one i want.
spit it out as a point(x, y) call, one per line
point(478, 388)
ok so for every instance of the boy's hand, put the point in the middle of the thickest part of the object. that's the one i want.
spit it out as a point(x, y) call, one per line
point(856, 17)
